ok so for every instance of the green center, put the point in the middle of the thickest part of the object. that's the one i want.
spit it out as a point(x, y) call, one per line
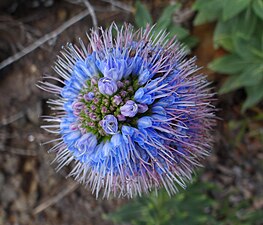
point(96, 109)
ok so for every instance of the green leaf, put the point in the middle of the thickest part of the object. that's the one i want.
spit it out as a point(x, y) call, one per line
point(229, 64)
point(166, 18)
point(252, 75)
point(254, 96)
point(243, 26)
point(190, 41)
point(232, 8)
point(125, 214)
point(208, 11)
point(246, 48)
point(179, 31)
point(142, 15)
point(222, 36)
point(164, 210)
point(225, 41)
point(258, 8)
point(183, 35)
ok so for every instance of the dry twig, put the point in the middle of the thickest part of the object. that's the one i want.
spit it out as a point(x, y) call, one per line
point(92, 13)
point(18, 151)
point(11, 119)
point(90, 10)
point(120, 5)
point(53, 200)
point(44, 39)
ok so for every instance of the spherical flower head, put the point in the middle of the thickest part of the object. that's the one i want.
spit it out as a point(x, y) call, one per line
point(132, 112)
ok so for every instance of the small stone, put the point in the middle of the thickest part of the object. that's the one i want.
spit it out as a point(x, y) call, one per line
point(30, 138)
point(62, 14)
point(8, 194)
point(33, 68)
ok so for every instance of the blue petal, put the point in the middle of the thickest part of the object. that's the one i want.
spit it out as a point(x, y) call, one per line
point(139, 94)
point(159, 110)
point(69, 92)
point(144, 122)
point(144, 77)
point(68, 106)
point(127, 130)
point(106, 150)
point(116, 140)
point(141, 97)
point(71, 137)
point(65, 124)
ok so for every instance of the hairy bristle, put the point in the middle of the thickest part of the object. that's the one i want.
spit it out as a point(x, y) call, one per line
point(132, 112)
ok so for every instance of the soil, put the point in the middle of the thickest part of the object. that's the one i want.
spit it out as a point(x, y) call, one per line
point(31, 192)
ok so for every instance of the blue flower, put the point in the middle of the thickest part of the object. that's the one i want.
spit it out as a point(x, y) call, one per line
point(132, 115)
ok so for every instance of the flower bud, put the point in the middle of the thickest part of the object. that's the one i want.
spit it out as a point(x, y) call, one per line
point(89, 96)
point(121, 117)
point(110, 124)
point(117, 99)
point(130, 109)
point(107, 86)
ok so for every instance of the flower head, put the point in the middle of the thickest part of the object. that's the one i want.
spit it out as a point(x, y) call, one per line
point(132, 113)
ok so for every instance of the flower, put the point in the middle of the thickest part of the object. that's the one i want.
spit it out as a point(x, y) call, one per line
point(131, 113)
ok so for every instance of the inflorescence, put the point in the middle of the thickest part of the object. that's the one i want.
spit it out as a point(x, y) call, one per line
point(130, 111)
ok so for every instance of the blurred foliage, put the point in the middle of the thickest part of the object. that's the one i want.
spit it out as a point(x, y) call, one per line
point(239, 31)
point(245, 128)
point(164, 22)
point(239, 214)
point(194, 206)
point(187, 207)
